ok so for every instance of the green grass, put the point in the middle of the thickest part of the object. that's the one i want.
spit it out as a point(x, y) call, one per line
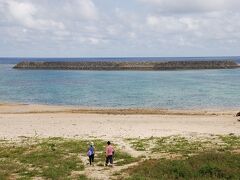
point(8, 160)
point(185, 146)
point(140, 144)
point(203, 166)
point(53, 158)
point(177, 145)
point(123, 158)
point(231, 142)
point(57, 158)
point(9, 167)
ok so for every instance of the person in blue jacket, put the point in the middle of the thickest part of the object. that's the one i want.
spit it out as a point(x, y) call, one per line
point(90, 153)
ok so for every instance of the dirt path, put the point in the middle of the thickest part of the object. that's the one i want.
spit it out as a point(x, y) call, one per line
point(102, 172)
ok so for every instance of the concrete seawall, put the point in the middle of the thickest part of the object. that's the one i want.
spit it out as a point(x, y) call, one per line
point(138, 66)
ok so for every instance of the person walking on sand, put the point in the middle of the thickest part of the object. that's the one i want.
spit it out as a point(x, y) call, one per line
point(109, 154)
point(90, 153)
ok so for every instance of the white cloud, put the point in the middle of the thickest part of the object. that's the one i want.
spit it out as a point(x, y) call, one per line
point(88, 9)
point(202, 31)
point(153, 20)
point(123, 28)
point(193, 6)
point(192, 23)
point(79, 10)
point(173, 24)
point(24, 13)
point(166, 24)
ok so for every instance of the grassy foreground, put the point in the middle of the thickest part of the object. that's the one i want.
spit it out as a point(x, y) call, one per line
point(203, 166)
point(173, 157)
point(216, 157)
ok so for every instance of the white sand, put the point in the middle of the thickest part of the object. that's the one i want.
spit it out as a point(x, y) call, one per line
point(44, 121)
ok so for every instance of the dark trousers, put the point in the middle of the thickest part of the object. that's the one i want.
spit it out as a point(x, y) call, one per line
point(91, 159)
point(109, 159)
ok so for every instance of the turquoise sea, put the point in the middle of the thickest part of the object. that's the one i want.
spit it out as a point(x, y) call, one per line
point(191, 89)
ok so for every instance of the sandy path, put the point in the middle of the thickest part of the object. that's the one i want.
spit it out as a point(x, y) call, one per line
point(103, 172)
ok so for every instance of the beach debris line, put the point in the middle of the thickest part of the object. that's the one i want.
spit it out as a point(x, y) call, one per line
point(128, 65)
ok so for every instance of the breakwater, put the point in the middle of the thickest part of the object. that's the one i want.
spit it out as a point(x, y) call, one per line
point(141, 66)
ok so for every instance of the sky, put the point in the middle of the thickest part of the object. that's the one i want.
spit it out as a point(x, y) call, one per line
point(119, 28)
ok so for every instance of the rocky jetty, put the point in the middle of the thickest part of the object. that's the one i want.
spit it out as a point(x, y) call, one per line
point(141, 66)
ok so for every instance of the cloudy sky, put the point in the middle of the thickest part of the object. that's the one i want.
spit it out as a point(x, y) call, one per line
point(106, 28)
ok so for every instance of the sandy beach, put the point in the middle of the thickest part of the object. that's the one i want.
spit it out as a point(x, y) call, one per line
point(19, 120)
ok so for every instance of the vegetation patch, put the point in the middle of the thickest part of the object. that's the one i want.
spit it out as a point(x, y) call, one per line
point(231, 142)
point(178, 145)
point(122, 158)
point(140, 144)
point(203, 166)
point(186, 146)
point(52, 158)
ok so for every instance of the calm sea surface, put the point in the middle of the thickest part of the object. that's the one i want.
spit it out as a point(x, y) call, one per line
point(163, 89)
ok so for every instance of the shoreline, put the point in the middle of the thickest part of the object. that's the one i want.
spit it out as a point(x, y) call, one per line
point(24, 108)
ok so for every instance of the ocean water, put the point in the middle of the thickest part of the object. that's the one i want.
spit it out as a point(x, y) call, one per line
point(191, 89)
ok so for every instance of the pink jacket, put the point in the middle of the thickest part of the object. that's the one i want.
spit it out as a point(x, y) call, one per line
point(109, 150)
